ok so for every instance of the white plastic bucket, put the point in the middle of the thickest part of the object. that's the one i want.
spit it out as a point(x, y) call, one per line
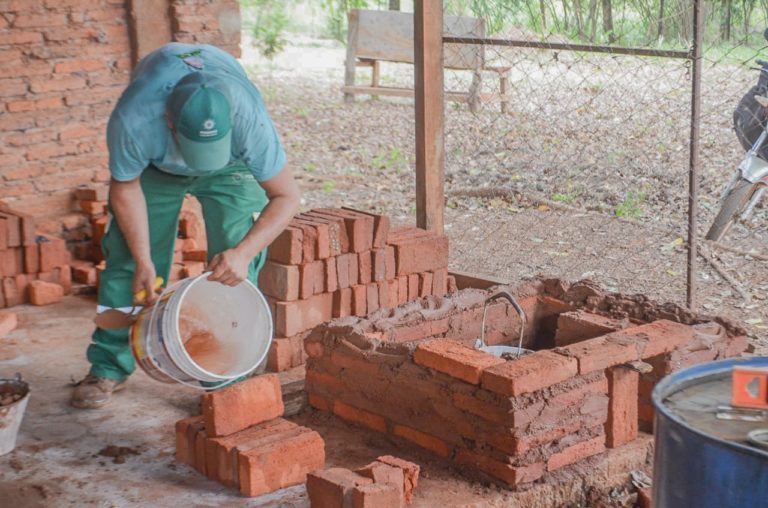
point(12, 414)
point(237, 317)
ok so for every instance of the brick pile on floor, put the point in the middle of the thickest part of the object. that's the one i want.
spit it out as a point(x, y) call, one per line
point(34, 268)
point(331, 263)
point(190, 251)
point(387, 482)
point(242, 441)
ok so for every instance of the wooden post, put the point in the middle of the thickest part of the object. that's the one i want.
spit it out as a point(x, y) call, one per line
point(350, 64)
point(430, 150)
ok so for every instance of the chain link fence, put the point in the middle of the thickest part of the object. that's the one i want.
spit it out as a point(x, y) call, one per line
point(567, 139)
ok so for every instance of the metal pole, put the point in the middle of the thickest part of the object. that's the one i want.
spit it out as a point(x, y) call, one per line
point(693, 170)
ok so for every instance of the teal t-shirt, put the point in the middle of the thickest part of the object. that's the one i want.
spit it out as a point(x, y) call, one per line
point(138, 135)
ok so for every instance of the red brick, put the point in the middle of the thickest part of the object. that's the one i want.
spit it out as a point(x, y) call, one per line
point(12, 228)
point(353, 267)
point(385, 474)
point(331, 278)
point(376, 496)
point(402, 290)
point(425, 284)
point(529, 373)
point(359, 416)
point(64, 278)
point(576, 452)
point(193, 269)
point(309, 240)
point(287, 247)
point(511, 475)
point(580, 325)
point(333, 487)
point(3, 235)
point(184, 453)
point(342, 303)
point(359, 300)
point(80, 66)
point(451, 285)
point(8, 262)
point(389, 263)
point(295, 317)
point(410, 472)
point(372, 297)
point(8, 322)
point(342, 271)
point(426, 441)
point(11, 292)
point(365, 269)
point(455, 359)
point(280, 356)
point(318, 402)
point(306, 280)
point(221, 453)
point(39, 20)
point(413, 287)
point(53, 253)
point(480, 408)
point(381, 227)
point(424, 254)
point(440, 282)
point(44, 293)
point(659, 337)
point(379, 264)
point(337, 232)
point(93, 193)
point(320, 277)
point(281, 462)
point(19, 37)
point(84, 274)
point(383, 288)
point(247, 403)
point(602, 352)
point(322, 237)
point(621, 426)
point(359, 228)
point(193, 430)
point(93, 207)
point(280, 281)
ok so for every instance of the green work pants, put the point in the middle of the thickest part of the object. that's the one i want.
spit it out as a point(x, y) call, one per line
point(229, 199)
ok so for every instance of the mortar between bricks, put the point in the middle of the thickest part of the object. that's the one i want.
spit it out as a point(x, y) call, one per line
point(511, 421)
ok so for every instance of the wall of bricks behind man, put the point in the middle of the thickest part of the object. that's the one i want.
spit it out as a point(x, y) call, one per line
point(63, 65)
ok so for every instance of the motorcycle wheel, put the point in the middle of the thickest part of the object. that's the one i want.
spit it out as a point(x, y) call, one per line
point(733, 204)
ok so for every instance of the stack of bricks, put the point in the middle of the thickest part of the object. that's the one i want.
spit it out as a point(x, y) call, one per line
point(331, 263)
point(514, 420)
point(242, 441)
point(33, 268)
point(190, 252)
point(387, 482)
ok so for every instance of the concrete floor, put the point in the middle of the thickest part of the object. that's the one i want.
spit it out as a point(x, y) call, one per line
point(57, 463)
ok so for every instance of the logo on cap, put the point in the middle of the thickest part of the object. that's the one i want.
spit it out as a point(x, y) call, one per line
point(209, 129)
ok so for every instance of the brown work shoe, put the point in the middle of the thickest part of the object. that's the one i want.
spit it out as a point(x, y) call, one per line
point(94, 392)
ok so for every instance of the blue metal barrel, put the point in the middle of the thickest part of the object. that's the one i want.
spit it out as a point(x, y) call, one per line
point(695, 467)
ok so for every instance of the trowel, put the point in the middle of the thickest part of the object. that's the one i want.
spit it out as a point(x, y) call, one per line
point(114, 318)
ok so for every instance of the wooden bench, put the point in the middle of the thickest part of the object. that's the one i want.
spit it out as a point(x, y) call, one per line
point(387, 36)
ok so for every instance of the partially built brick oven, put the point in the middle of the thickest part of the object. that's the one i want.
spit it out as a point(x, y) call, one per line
point(414, 373)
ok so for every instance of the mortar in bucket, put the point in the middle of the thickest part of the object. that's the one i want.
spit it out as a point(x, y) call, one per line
point(201, 331)
point(14, 395)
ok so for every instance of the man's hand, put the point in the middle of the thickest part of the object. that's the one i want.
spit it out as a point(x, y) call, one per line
point(229, 267)
point(144, 278)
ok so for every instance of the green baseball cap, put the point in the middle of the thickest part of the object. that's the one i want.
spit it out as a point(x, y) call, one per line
point(202, 117)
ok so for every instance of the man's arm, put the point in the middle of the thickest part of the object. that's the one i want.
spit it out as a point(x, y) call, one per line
point(130, 208)
point(231, 266)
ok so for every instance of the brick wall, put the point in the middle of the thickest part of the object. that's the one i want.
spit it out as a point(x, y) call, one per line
point(413, 373)
point(63, 65)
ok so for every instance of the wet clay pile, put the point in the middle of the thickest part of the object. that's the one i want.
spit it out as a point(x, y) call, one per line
point(205, 348)
point(118, 453)
point(6, 399)
point(413, 373)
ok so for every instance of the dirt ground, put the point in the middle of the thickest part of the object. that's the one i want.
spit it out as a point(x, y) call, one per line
point(63, 459)
point(586, 140)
